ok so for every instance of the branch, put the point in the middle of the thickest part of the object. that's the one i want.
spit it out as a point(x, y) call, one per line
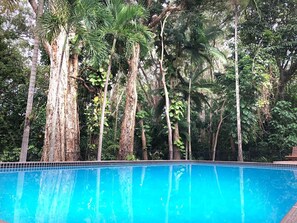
point(148, 98)
point(145, 76)
point(218, 131)
point(90, 89)
point(33, 5)
point(292, 70)
point(47, 47)
point(169, 9)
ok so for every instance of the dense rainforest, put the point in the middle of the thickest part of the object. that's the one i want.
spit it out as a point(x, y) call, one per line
point(129, 80)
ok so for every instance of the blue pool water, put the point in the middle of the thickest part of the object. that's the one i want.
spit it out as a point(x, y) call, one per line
point(148, 193)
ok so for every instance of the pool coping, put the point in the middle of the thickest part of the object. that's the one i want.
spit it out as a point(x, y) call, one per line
point(10, 165)
point(291, 216)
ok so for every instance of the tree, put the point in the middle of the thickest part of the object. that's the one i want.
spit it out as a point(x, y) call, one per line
point(26, 133)
point(167, 102)
point(239, 137)
point(14, 83)
point(120, 27)
point(274, 33)
point(139, 37)
point(63, 25)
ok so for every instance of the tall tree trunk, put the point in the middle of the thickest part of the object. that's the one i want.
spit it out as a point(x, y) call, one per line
point(26, 133)
point(128, 124)
point(239, 138)
point(286, 74)
point(176, 137)
point(167, 102)
point(189, 142)
point(167, 106)
point(61, 129)
point(104, 101)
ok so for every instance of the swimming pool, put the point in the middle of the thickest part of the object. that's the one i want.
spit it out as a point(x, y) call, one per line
point(174, 192)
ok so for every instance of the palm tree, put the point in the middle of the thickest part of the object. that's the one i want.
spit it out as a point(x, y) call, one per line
point(122, 26)
point(26, 133)
point(194, 91)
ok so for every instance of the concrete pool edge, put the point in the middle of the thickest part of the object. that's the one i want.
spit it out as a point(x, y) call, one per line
point(11, 165)
point(291, 216)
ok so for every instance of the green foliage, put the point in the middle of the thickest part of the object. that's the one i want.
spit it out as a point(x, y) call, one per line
point(10, 155)
point(97, 80)
point(179, 143)
point(142, 114)
point(14, 86)
point(131, 157)
point(176, 110)
point(283, 134)
point(250, 89)
point(111, 151)
point(124, 24)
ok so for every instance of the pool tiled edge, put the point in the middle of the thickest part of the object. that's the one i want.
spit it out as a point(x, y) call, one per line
point(69, 164)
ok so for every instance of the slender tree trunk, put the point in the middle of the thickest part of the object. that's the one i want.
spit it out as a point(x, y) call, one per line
point(176, 137)
point(167, 102)
point(211, 134)
point(26, 133)
point(189, 142)
point(128, 124)
point(217, 132)
point(203, 138)
point(239, 137)
point(167, 106)
point(104, 101)
point(61, 129)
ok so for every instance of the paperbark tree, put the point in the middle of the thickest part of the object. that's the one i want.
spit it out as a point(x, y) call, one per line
point(61, 141)
point(128, 124)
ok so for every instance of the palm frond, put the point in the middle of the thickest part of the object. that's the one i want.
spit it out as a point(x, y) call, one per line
point(90, 13)
point(61, 9)
point(212, 32)
point(198, 74)
point(217, 54)
point(50, 26)
point(129, 14)
point(95, 45)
